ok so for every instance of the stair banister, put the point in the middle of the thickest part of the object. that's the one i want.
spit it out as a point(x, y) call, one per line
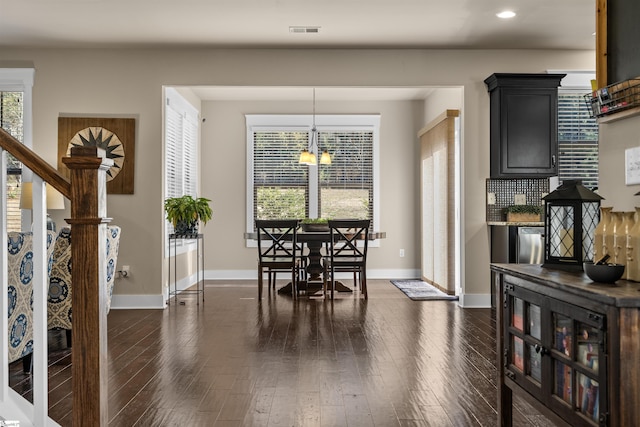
point(88, 166)
point(86, 190)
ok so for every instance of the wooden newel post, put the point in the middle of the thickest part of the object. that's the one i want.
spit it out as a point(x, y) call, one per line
point(88, 166)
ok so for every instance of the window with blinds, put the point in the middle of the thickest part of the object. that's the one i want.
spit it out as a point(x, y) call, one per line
point(280, 184)
point(11, 120)
point(181, 145)
point(280, 187)
point(346, 186)
point(577, 139)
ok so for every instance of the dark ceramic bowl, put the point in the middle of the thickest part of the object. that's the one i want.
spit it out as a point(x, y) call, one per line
point(603, 273)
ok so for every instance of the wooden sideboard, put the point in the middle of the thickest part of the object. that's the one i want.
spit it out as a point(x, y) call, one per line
point(569, 346)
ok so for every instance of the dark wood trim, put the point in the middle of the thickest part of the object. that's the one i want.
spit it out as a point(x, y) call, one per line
point(36, 163)
point(88, 166)
point(601, 43)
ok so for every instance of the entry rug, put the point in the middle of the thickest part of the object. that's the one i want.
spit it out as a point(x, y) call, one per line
point(418, 290)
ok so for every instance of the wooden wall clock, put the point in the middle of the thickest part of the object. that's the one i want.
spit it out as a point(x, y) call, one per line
point(115, 135)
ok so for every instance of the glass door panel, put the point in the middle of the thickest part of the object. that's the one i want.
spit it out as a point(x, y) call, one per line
point(517, 356)
point(517, 315)
point(588, 396)
point(534, 363)
point(562, 381)
point(588, 341)
point(534, 320)
point(563, 327)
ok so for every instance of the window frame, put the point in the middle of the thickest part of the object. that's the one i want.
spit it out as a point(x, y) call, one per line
point(578, 94)
point(21, 80)
point(304, 122)
point(190, 114)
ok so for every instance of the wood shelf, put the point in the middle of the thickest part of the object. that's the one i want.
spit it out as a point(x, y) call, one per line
point(614, 117)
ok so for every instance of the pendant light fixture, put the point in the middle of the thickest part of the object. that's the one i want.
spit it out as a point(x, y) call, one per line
point(308, 156)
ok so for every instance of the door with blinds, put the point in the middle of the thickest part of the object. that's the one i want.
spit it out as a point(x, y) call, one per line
point(438, 201)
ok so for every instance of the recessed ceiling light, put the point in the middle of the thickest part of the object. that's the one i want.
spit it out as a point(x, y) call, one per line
point(506, 14)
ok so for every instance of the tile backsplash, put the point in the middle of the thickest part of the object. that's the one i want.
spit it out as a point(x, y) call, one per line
point(505, 190)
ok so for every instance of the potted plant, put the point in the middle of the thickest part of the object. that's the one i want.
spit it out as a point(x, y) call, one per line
point(315, 224)
point(186, 212)
point(523, 213)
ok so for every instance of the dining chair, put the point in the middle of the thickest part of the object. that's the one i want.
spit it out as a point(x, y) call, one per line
point(302, 267)
point(347, 252)
point(277, 250)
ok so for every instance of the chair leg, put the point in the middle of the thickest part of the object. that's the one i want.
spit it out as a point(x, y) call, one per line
point(294, 283)
point(363, 282)
point(259, 283)
point(68, 333)
point(324, 281)
point(333, 281)
point(26, 363)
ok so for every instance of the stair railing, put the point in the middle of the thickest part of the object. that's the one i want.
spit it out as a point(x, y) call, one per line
point(86, 190)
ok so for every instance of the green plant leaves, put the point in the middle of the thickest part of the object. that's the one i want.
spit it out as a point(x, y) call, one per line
point(187, 209)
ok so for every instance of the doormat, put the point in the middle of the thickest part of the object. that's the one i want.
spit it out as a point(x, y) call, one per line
point(418, 290)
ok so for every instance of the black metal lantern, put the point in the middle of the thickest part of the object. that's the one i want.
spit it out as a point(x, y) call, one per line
point(572, 213)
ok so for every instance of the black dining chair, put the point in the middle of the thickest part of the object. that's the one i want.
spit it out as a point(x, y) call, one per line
point(347, 252)
point(277, 251)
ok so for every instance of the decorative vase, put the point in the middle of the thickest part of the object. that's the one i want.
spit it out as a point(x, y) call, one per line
point(184, 228)
point(599, 232)
point(609, 246)
point(632, 270)
point(620, 238)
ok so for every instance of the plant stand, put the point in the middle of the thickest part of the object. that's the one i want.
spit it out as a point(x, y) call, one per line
point(199, 238)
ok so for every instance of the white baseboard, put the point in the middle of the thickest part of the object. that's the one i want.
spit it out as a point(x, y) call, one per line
point(130, 302)
point(475, 301)
point(124, 302)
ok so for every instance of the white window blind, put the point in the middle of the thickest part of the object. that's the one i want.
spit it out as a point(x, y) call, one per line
point(181, 147)
point(346, 186)
point(280, 184)
point(577, 139)
point(280, 187)
point(11, 120)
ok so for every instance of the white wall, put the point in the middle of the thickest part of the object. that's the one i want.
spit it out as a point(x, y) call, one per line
point(129, 82)
point(615, 138)
point(224, 173)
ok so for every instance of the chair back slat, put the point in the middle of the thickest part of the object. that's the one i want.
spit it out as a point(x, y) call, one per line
point(277, 238)
point(349, 238)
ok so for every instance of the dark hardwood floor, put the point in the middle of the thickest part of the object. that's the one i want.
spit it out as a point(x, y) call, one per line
point(236, 361)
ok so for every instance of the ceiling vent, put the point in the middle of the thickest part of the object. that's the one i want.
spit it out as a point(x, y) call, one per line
point(304, 30)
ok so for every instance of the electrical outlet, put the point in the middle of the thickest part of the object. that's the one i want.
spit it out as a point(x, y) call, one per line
point(519, 199)
point(125, 271)
point(401, 253)
point(491, 198)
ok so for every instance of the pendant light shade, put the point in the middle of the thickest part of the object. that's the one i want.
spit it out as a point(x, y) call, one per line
point(308, 156)
point(325, 159)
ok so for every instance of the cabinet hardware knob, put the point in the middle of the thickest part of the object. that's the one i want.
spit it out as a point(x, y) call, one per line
point(540, 349)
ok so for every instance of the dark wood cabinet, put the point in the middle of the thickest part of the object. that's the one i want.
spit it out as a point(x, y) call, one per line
point(524, 124)
point(567, 345)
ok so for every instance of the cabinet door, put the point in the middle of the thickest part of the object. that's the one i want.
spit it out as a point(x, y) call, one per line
point(524, 124)
point(556, 352)
point(578, 363)
point(523, 339)
point(528, 132)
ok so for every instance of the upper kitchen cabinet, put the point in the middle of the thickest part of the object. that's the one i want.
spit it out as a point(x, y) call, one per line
point(524, 124)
